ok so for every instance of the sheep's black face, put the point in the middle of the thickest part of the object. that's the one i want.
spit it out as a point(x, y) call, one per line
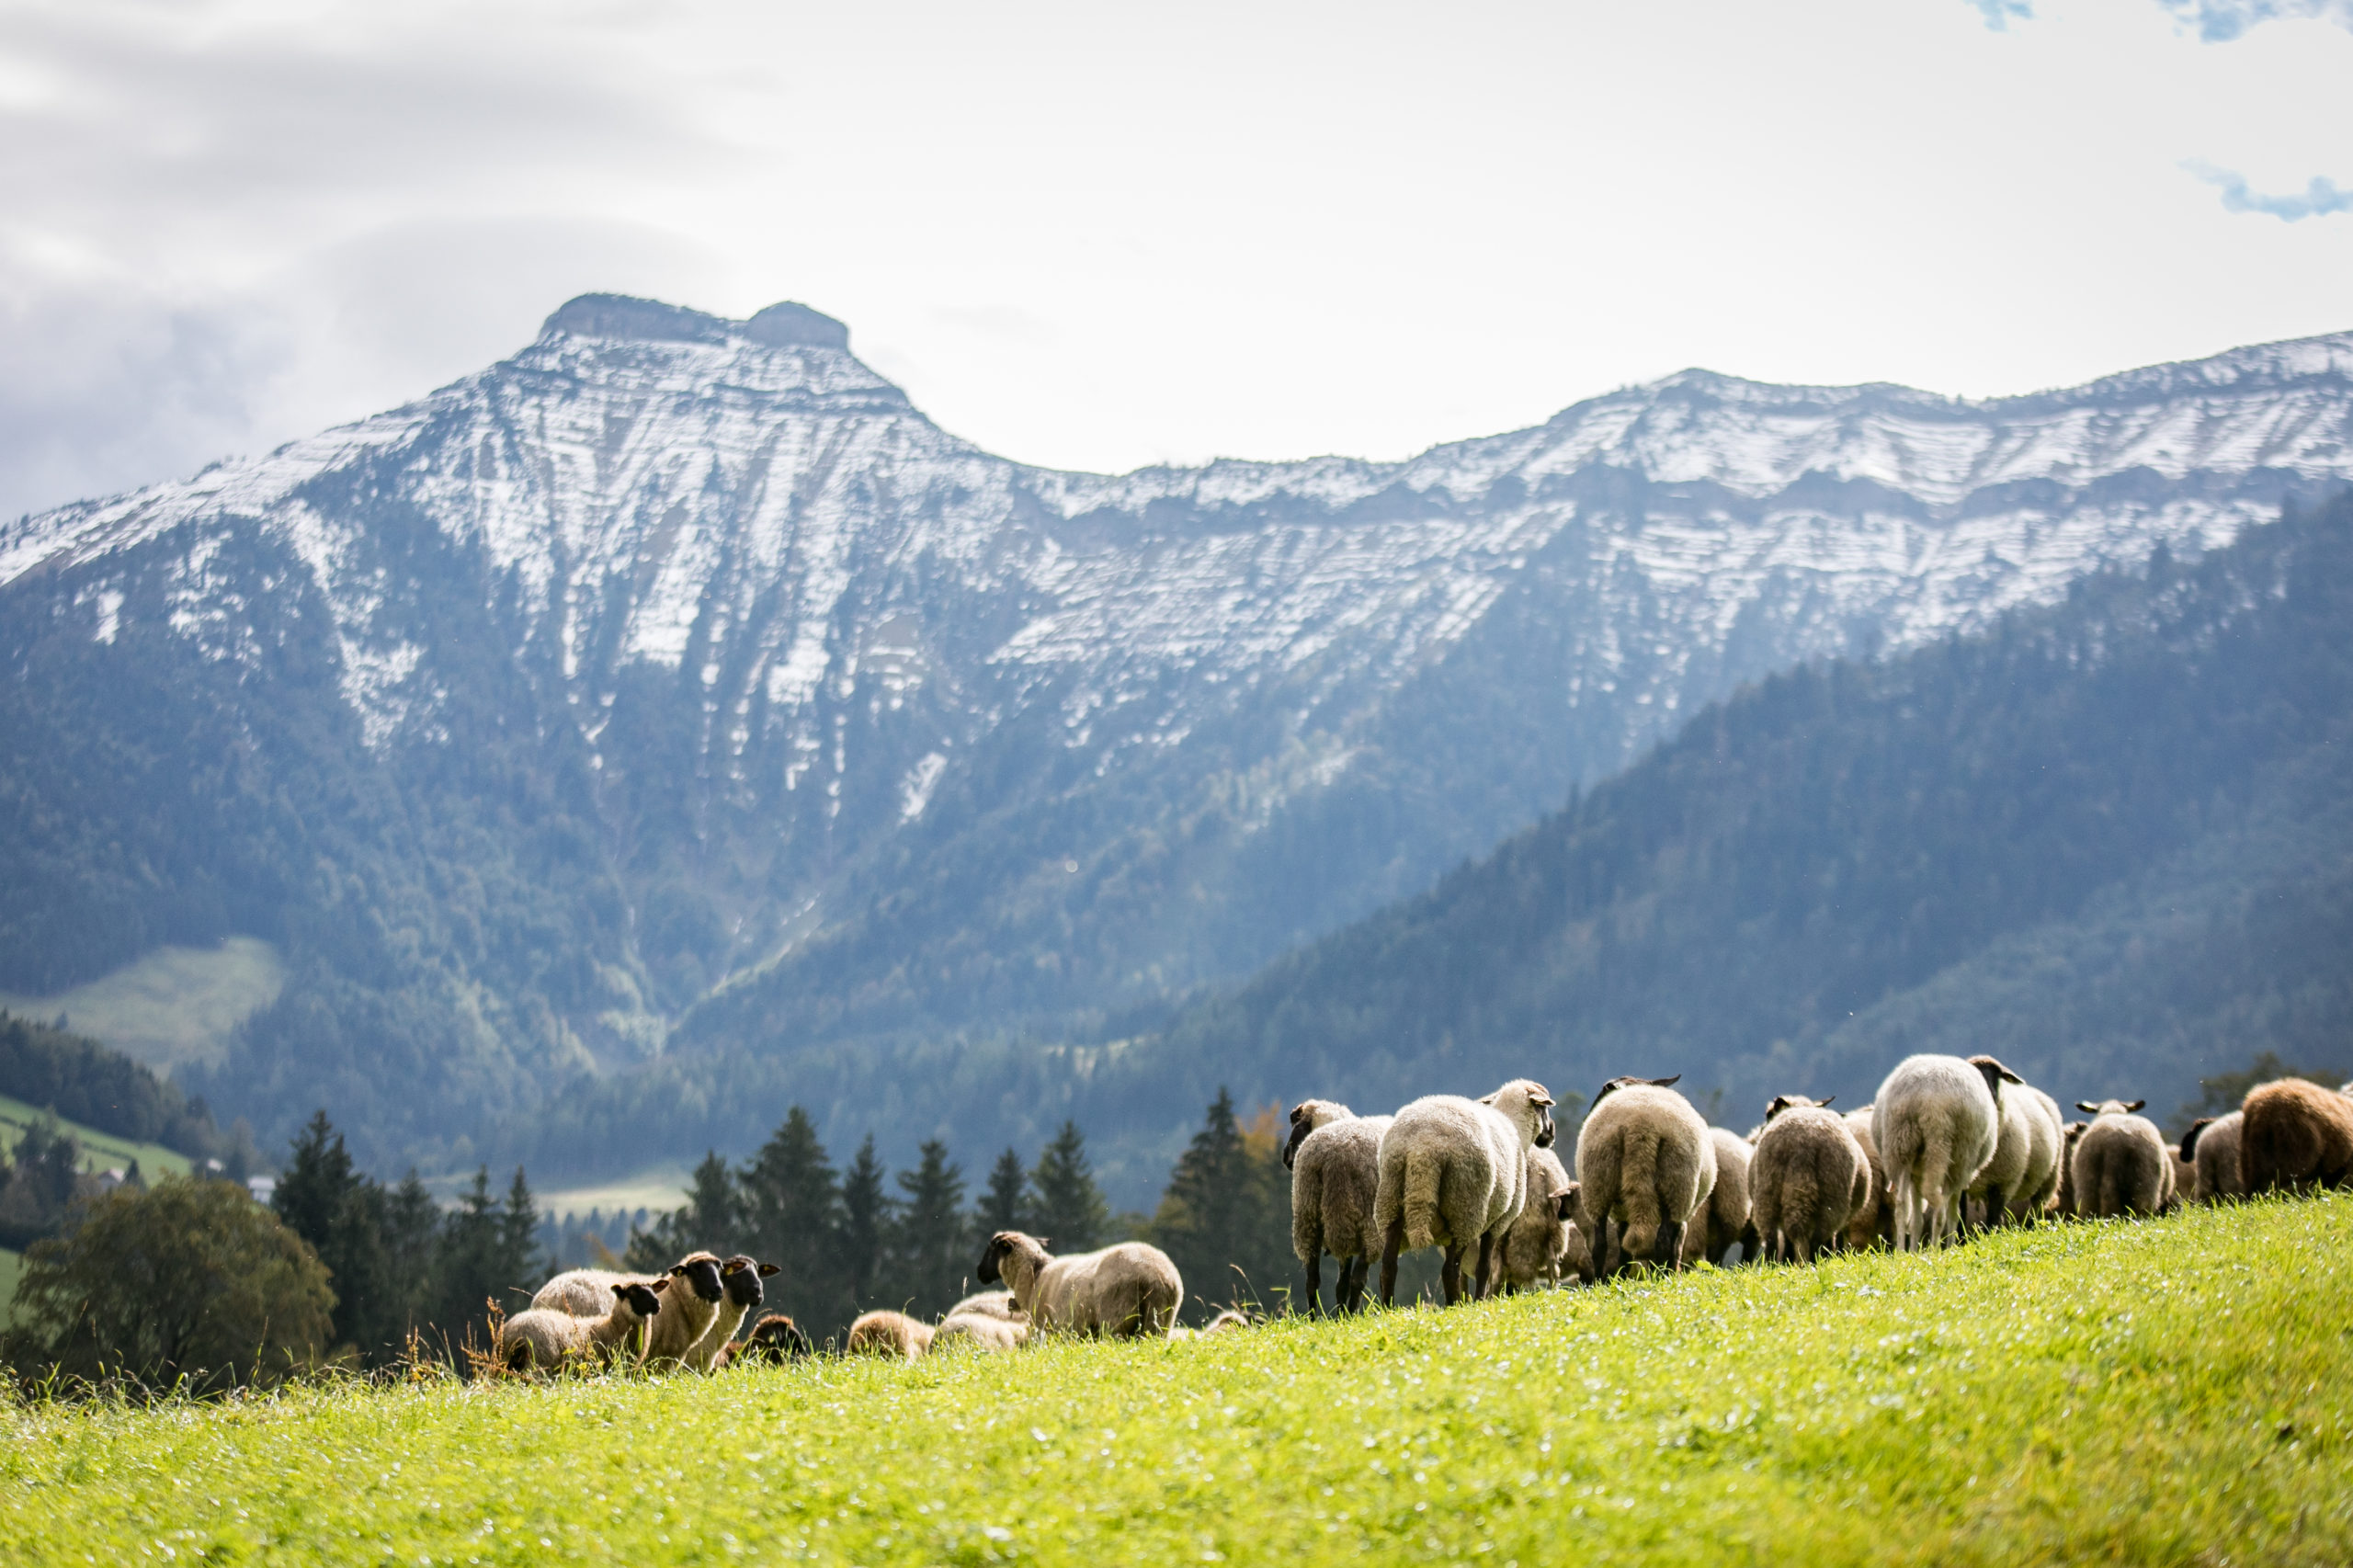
point(703, 1276)
point(1545, 1131)
point(743, 1277)
point(1300, 1129)
point(987, 1272)
point(641, 1300)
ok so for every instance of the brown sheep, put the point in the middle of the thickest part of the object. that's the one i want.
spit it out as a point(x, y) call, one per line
point(888, 1333)
point(2123, 1165)
point(2294, 1134)
point(1808, 1177)
point(2211, 1145)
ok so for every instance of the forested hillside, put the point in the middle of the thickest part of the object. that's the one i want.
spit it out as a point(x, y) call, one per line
point(2111, 841)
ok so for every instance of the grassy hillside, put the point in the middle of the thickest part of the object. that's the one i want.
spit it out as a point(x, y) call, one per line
point(11, 1265)
point(2179, 1390)
point(99, 1150)
point(171, 1005)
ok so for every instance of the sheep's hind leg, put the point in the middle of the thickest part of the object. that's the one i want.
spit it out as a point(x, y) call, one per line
point(1667, 1250)
point(1315, 1283)
point(1347, 1295)
point(1389, 1245)
point(1483, 1286)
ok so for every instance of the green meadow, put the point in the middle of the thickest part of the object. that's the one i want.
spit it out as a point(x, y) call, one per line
point(100, 1151)
point(2169, 1392)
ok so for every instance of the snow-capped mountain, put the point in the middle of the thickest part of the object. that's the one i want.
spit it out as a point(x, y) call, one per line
point(853, 729)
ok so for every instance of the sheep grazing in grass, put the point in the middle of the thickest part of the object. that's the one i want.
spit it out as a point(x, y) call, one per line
point(2212, 1146)
point(2294, 1134)
point(888, 1333)
point(1535, 1248)
point(692, 1302)
point(1809, 1176)
point(1334, 1156)
point(2123, 1165)
point(775, 1339)
point(1646, 1164)
point(988, 1304)
point(1130, 1289)
point(545, 1339)
point(740, 1276)
point(1872, 1224)
point(977, 1332)
point(1229, 1320)
point(1454, 1175)
point(2037, 1196)
point(1724, 1219)
point(1938, 1120)
point(2024, 1171)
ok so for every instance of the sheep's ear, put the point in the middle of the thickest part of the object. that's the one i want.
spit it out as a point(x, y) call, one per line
point(2087, 1108)
point(1823, 1103)
point(1539, 1099)
point(1487, 1100)
point(621, 1289)
point(660, 1285)
point(2136, 1105)
point(1778, 1104)
point(768, 1270)
point(1664, 1083)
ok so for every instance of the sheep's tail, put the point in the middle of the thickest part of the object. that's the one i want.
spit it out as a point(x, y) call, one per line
point(1425, 1178)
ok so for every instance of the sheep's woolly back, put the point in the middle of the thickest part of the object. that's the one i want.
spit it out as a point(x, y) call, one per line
point(1723, 1220)
point(1538, 1242)
point(1809, 1176)
point(1875, 1221)
point(988, 1304)
point(1936, 1125)
point(1456, 1169)
point(2294, 1134)
point(888, 1333)
point(980, 1332)
point(1128, 1290)
point(2037, 1194)
point(2123, 1165)
point(2216, 1156)
point(1644, 1159)
point(2020, 1121)
point(1335, 1181)
point(543, 1339)
point(685, 1317)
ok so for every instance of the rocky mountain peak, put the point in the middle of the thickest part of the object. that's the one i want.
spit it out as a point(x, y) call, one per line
point(628, 319)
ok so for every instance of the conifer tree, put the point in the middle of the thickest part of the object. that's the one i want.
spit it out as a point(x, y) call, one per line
point(866, 1217)
point(1224, 1220)
point(1067, 1208)
point(1005, 1202)
point(932, 1250)
point(325, 1201)
point(792, 1214)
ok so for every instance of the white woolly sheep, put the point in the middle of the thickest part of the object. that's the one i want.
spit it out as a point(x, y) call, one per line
point(546, 1340)
point(980, 1332)
point(1454, 1175)
point(1334, 1156)
point(1873, 1224)
point(1725, 1217)
point(1809, 1176)
point(2295, 1134)
point(2123, 1165)
point(1130, 1289)
point(888, 1333)
point(2024, 1170)
point(1938, 1120)
point(2211, 1145)
point(740, 1276)
point(1537, 1244)
point(1646, 1164)
point(988, 1304)
point(692, 1303)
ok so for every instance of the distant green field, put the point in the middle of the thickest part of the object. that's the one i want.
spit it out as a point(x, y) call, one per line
point(99, 1150)
point(2174, 1391)
point(11, 1265)
point(171, 1005)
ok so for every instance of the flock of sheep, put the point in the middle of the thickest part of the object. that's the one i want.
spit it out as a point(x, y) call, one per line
point(1950, 1144)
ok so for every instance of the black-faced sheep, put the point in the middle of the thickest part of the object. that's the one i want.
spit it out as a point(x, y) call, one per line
point(775, 1339)
point(2211, 1145)
point(2024, 1171)
point(740, 1276)
point(1333, 1156)
point(1725, 1217)
point(1535, 1246)
point(1938, 1120)
point(1454, 1175)
point(2294, 1134)
point(692, 1302)
point(988, 1304)
point(544, 1339)
point(1128, 1290)
point(2123, 1165)
point(1873, 1224)
point(1646, 1164)
point(1809, 1176)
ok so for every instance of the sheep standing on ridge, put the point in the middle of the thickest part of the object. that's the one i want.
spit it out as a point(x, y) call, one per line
point(740, 1277)
point(2026, 1156)
point(1334, 1157)
point(1646, 1164)
point(2294, 1134)
point(1726, 1219)
point(2211, 1145)
point(1131, 1290)
point(1454, 1175)
point(1938, 1120)
point(1537, 1244)
point(546, 1340)
point(1808, 1177)
point(2123, 1165)
point(1874, 1222)
point(693, 1302)
point(888, 1333)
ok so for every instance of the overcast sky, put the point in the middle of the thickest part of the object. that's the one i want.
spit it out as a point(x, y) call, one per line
point(1099, 237)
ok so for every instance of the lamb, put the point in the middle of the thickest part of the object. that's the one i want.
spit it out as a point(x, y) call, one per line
point(888, 1333)
point(2123, 1165)
point(1872, 1224)
point(2026, 1156)
point(1537, 1243)
point(1809, 1178)
point(980, 1332)
point(1131, 1290)
point(1645, 1163)
point(1454, 1175)
point(775, 1338)
point(545, 1338)
point(1938, 1120)
point(692, 1308)
point(2294, 1134)
point(1334, 1157)
point(1725, 1217)
point(2211, 1145)
point(988, 1304)
point(740, 1276)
